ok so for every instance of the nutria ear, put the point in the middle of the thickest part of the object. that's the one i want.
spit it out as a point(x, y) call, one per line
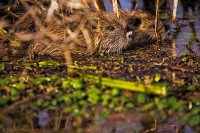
point(91, 24)
point(134, 23)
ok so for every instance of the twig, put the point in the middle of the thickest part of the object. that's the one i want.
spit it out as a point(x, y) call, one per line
point(156, 21)
point(68, 59)
point(118, 3)
point(23, 101)
point(175, 5)
point(164, 126)
point(53, 6)
point(20, 21)
point(136, 4)
point(156, 125)
point(17, 104)
point(116, 7)
point(177, 124)
point(99, 5)
point(37, 21)
point(180, 69)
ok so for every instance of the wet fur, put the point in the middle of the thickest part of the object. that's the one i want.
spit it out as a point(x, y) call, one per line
point(99, 29)
point(106, 32)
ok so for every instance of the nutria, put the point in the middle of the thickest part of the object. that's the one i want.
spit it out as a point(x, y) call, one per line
point(84, 33)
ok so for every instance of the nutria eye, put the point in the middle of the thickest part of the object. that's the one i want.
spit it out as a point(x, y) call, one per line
point(111, 28)
point(152, 26)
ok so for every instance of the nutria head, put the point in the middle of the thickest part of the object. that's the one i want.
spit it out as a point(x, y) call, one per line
point(111, 34)
point(143, 26)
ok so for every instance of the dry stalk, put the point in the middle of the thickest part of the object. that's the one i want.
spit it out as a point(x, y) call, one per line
point(36, 19)
point(156, 21)
point(76, 4)
point(136, 4)
point(86, 3)
point(54, 6)
point(3, 35)
point(17, 104)
point(177, 124)
point(68, 59)
point(21, 19)
point(116, 6)
point(25, 100)
point(156, 125)
point(118, 3)
point(99, 5)
point(87, 38)
point(168, 7)
point(175, 5)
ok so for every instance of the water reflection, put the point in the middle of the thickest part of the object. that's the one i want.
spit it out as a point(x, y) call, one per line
point(43, 117)
point(187, 39)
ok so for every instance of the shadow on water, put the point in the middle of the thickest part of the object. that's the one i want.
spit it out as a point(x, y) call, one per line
point(185, 40)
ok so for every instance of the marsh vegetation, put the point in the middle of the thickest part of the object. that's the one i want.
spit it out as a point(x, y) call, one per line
point(148, 87)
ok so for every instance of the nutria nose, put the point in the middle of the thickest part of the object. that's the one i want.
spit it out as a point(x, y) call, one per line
point(129, 35)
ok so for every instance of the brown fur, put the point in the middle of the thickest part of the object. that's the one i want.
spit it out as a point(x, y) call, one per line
point(96, 32)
